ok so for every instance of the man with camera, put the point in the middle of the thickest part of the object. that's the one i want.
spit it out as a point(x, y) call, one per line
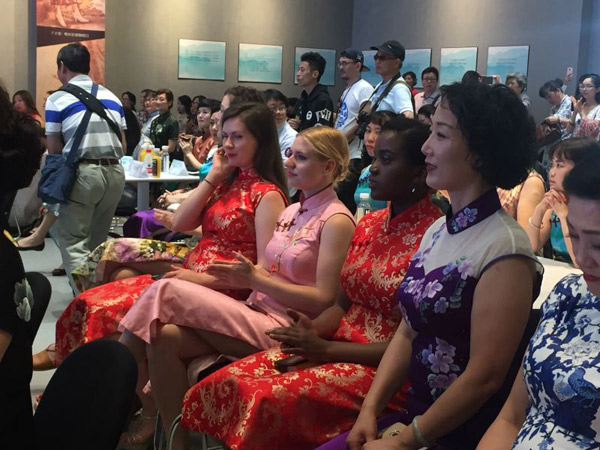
point(355, 96)
point(393, 93)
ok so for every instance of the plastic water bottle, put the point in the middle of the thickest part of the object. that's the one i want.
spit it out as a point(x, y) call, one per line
point(364, 205)
point(164, 154)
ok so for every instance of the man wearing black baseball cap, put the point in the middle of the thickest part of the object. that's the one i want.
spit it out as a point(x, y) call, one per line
point(392, 94)
point(357, 93)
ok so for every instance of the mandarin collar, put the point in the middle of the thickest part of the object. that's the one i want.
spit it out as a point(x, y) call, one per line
point(475, 212)
point(406, 216)
point(247, 174)
point(316, 200)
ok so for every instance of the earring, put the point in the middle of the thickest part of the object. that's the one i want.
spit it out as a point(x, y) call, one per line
point(413, 190)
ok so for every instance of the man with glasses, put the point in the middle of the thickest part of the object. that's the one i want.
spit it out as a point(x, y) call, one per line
point(355, 96)
point(392, 94)
point(431, 94)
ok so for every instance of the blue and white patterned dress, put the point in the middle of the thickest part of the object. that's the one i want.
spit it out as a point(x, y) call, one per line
point(562, 372)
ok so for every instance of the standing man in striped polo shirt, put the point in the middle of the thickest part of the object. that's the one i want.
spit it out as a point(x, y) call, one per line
point(83, 223)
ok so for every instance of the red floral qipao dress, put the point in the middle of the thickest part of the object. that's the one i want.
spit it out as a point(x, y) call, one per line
point(227, 226)
point(251, 405)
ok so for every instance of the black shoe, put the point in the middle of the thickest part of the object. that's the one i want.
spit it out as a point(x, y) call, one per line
point(37, 248)
point(59, 272)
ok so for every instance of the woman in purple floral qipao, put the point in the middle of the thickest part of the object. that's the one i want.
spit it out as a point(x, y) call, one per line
point(469, 288)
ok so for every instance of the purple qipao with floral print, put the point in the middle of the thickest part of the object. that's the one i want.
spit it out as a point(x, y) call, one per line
point(436, 298)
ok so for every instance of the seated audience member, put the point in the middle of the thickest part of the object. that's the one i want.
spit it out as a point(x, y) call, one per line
point(237, 215)
point(467, 293)
point(354, 100)
point(195, 103)
point(411, 79)
point(184, 112)
point(431, 95)
point(164, 130)
point(327, 395)
point(549, 218)
point(521, 201)
point(562, 106)
point(195, 149)
point(314, 106)
point(239, 94)
point(425, 113)
point(23, 102)
point(177, 320)
point(518, 83)
point(20, 154)
point(555, 399)
point(376, 121)
point(585, 121)
point(142, 115)
point(277, 103)
point(388, 62)
point(471, 77)
point(151, 113)
point(133, 132)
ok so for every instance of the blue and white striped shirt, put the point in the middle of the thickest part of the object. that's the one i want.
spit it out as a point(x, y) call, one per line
point(64, 113)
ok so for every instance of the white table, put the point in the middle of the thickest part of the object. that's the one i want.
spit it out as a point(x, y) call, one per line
point(554, 271)
point(143, 186)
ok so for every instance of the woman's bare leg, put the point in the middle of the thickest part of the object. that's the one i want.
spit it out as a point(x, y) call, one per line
point(134, 269)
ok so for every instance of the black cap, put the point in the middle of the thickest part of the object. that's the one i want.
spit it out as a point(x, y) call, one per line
point(357, 56)
point(394, 48)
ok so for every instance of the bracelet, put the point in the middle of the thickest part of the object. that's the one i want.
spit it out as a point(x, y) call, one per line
point(418, 436)
point(535, 226)
point(210, 183)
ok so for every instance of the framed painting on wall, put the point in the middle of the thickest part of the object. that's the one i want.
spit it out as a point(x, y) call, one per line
point(260, 63)
point(454, 62)
point(201, 60)
point(505, 59)
point(328, 78)
point(416, 61)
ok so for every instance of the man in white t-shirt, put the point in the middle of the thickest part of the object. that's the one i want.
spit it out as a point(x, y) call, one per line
point(388, 62)
point(355, 96)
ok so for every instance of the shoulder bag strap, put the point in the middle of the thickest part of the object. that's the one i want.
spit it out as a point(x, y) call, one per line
point(93, 104)
point(74, 152)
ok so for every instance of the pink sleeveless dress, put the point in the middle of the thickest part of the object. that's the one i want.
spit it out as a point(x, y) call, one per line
point(291, 255)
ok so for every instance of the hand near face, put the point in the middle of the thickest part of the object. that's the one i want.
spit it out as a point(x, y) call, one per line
point(558, 203)
point(578, 106)
point(221, 167)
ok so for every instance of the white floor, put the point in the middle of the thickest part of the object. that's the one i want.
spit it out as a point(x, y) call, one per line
point(44, 262)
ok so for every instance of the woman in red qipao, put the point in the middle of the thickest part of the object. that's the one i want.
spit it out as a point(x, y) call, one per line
point(237, 205)
point(250, 404)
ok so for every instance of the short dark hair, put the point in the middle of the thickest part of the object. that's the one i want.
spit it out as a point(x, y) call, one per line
point(574, 149)
point(497, 128)
point(471, 77)
point(168, 94)
point(274, 94)
point(315, 62)
point(583, 180)
point(551, 86)
point(186, 101)
point(426, 110)
point(75, 57)
point(210, 103)
point(131, 97)
point(28, 100)
point(150, 93)
point(243, 94)
point(259, 121)
point(20, 146)
point(432, 70)
point(381, 117)
point(413, 135)
point(595, 79)
point(411, 73)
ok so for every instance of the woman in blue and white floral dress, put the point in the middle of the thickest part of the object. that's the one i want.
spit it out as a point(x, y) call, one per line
point(555, 402)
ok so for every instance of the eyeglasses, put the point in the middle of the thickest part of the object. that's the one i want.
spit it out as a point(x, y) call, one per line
point(277, 108)
point(429, 79)
point(345, 63)
point(586, 86)
point(383, 57)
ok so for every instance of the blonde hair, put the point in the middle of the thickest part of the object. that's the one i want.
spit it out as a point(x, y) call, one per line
point(329, 143)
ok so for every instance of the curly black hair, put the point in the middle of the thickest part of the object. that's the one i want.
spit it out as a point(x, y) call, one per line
point(583, 180)
point(498, 130)
point(20, 146)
